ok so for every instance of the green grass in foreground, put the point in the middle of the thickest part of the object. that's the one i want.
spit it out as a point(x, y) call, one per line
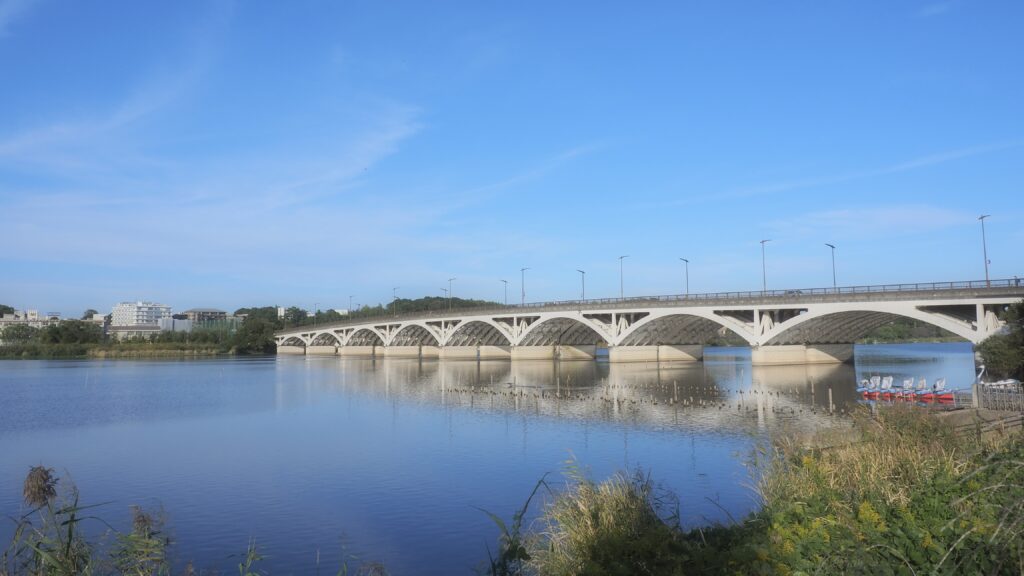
point(905, 497)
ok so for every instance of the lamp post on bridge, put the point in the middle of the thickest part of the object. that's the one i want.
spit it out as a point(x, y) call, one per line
point(764, 273)
point(621, 291)
point(394, 299)
point(984, 248)
point(522, 286)
point(316, 306)
point(834, 285)
point(446, 297)
point(505, 282)
point(687, 265)
point(450, 294)
point(583, 284)
point(350, 303)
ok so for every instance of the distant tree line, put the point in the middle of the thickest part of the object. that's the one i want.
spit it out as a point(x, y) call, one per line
point(255, 335)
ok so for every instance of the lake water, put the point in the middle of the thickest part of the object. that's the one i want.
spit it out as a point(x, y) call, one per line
point(393, 460)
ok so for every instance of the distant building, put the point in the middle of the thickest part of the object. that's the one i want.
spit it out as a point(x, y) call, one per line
point(203, 315)
point(139, 314)
point(341, 311)
point(133, 332)
point(280, 312)
point(176, 323)
point(30, 318)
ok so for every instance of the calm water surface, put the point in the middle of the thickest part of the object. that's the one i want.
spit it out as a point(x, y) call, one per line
point(392, 460)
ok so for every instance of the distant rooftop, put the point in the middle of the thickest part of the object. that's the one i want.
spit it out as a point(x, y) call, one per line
point(204, 310)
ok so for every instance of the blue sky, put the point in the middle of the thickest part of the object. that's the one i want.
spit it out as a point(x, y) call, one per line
point(256, 153)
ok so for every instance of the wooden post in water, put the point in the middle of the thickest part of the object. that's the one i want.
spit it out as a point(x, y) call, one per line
point(831, 408)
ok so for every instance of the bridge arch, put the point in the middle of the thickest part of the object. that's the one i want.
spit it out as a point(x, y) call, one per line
point(478, 333)
point(414, 334)
point(365, 337)
point(293, 341)
point(560, 329)
point(692, 321)
point(677, 328)
point(325, 339)
point(848, 325)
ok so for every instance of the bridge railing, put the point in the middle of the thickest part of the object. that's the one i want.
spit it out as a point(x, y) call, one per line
point(705, 297)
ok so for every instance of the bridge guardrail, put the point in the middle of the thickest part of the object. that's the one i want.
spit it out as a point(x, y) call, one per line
point(703, 298)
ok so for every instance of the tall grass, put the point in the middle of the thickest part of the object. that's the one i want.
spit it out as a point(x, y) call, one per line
point(900, 494)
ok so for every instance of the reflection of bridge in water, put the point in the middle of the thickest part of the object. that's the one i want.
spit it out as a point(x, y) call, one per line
point(781, 327)
point(721, 393)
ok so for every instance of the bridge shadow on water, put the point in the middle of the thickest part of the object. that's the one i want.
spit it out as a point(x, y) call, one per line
point(722, 393)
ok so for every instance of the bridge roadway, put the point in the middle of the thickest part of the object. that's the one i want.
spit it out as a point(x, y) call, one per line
point(782, 326)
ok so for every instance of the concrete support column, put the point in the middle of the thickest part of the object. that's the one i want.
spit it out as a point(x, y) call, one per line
point(533, 352)
point(633, 354)
point(291, 350)
point(458, 353)
point(576, 352)
point(801, 354)
point(356, 351)
point(430, 352)
point(495, 352)
point(401, 351)
point(321, 350)
point(680, 353)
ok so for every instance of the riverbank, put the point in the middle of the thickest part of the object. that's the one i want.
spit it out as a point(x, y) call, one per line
point(110, 350)
point(909, 494)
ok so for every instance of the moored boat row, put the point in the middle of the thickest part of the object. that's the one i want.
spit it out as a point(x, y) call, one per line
point(882, 388)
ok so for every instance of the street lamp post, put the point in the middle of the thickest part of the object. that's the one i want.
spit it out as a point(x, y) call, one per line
point(505, 282)
point(316, 306)
point(583, 284)
point(522, 285)
point(350, 304)
point(984, 247)
point(834, 285)
point(621, 291)
point(450, 294)
point(764, 274)
point(686, 263)
point(394, 299)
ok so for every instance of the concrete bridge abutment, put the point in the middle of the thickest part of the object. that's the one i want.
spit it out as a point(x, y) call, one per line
point(801, 354)
point(663, 353)
point(299, 350)
point(576, 352)
point(533, 352)
point(356, 351)
point(321, 350)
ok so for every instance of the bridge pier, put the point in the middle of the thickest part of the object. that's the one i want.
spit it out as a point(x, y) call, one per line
point(663, 353)
point(801, 354)
point(401, 351)
point(475, 352)
point(576, 352)
point(321, 350)
point(291, 350)
point(533, 353)
point(432, 352)
point(356, 351)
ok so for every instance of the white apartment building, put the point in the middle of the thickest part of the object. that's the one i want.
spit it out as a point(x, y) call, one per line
point(139, 313)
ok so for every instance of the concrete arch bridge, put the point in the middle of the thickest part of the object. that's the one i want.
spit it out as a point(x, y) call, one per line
point(781, 327)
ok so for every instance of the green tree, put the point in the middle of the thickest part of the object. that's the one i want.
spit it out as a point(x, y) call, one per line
point(88, 314)
point(19, 334)
point(1004, 353)
point(295, 316)
point(256, 336)
point(5, 309)
point(71, 332)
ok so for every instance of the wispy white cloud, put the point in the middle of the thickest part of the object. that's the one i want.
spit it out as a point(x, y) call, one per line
point(11, 10)
point(935, 9)
point(783, 187)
